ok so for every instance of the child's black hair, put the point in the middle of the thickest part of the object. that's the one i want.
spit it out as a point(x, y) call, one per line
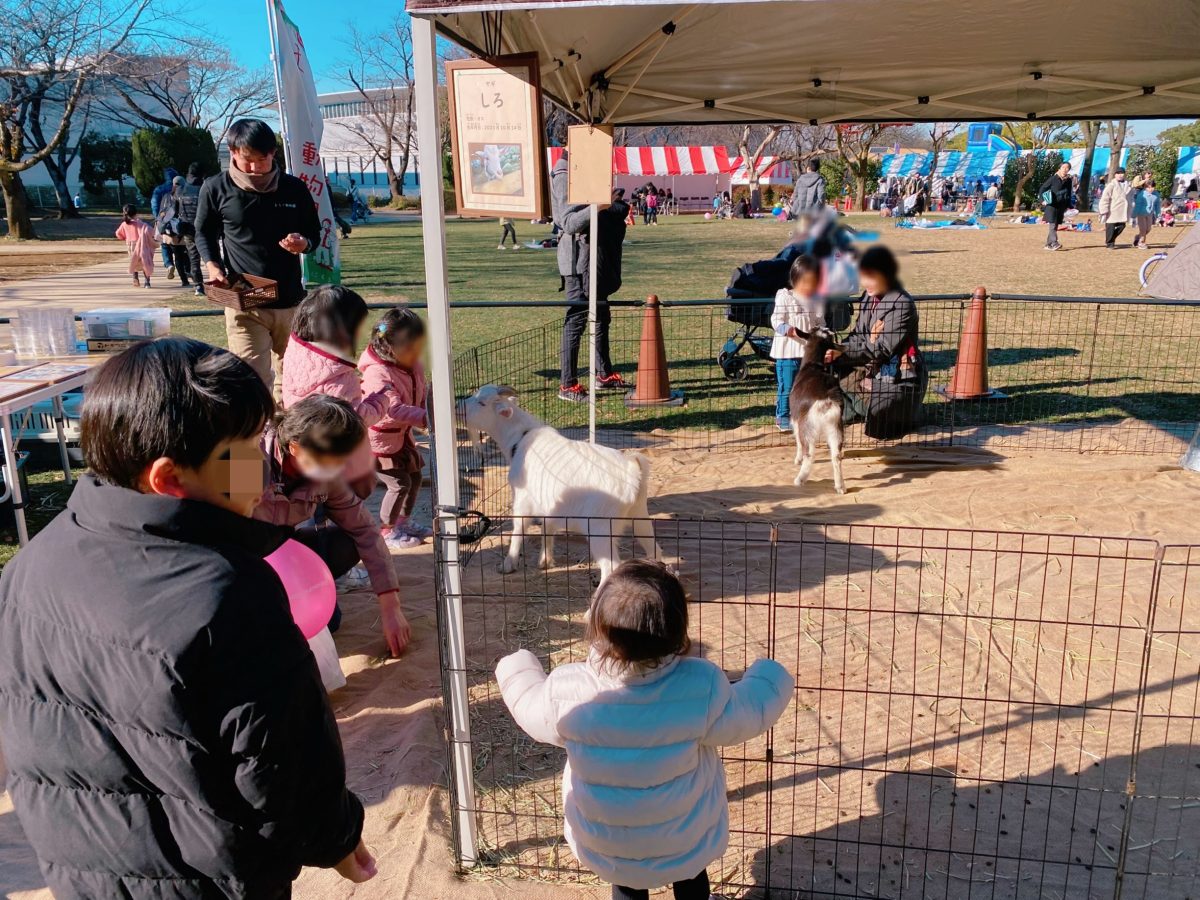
point(176, 398)
point(801, 266)
point(321, 424)
point(881, 261)
point(399, 325)
point(639, 616)
point(330, 314)
point(129, 212)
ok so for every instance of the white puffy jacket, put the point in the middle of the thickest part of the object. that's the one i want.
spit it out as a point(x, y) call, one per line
point(644, 789)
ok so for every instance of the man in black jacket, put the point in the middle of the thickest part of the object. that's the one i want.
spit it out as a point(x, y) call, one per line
point(263, 219)
point(1054, 210)
point(574, 251)
point(163, 721)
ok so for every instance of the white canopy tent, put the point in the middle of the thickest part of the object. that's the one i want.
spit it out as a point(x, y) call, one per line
point(817, 61)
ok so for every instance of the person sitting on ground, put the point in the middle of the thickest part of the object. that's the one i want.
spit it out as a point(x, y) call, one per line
point(307, 450)
point(882, 370)
point(165, 729)
point(641, 722)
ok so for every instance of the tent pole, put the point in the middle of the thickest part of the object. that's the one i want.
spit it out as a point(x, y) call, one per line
point(433, 232)
point(593, 282)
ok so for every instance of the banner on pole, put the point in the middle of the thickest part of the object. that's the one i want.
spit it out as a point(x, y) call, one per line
point(302, 129)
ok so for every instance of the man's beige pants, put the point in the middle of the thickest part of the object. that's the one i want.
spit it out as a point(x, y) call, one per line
point(260, 337)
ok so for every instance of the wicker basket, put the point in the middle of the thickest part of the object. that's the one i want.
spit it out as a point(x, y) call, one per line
point(260, 292)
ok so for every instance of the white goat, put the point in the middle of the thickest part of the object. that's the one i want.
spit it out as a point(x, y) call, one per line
point(568, 485)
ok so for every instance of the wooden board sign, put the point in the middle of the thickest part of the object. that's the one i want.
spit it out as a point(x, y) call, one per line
point(589, 164)
point(496, 136)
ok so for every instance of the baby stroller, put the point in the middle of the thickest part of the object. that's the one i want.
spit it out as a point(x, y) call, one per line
point(753, 331)
point(759, 281)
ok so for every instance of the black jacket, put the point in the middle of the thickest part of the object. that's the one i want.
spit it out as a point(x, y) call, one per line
point(163, 721)
point(250, 227)
point(574, 246)
point(1060, 193)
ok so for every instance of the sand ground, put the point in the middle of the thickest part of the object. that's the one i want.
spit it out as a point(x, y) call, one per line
point(391, 712)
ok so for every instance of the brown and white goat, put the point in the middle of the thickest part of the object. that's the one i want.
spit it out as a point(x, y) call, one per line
point(816, 404)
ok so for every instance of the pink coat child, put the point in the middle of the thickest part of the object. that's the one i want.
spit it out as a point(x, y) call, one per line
point(398, 460)
point(312, 368)
point(139, 241)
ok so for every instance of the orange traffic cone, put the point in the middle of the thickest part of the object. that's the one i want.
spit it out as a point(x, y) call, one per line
point(653, 386)
point(970, 380)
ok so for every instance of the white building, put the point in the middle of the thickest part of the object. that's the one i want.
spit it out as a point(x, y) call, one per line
point(346, 146)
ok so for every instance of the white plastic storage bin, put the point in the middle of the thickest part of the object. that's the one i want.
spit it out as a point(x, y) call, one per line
point(126, 323)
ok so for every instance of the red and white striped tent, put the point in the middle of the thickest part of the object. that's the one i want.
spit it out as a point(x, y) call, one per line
point(689, 171)
point(661, 162)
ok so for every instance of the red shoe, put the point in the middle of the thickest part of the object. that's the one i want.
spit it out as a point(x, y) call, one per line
point(613, 382)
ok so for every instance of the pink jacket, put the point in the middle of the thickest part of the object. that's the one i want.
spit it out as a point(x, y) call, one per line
point(392, 433)
point(288, 502)
point(312, 369)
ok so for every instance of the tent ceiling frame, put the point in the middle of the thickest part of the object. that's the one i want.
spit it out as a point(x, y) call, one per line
point(578, 94)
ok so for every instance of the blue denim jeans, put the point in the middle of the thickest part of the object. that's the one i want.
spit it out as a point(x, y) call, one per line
point(785, 374)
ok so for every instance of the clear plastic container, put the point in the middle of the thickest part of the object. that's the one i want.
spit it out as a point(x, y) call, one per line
point(39, 332)
point(149, 322)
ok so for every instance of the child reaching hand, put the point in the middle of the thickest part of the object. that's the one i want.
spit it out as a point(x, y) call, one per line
point(796, 307)
point(139, 242)
point(391, 367)
point(644, 790)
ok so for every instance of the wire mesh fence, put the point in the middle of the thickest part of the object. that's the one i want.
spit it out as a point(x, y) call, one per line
point(1076, 375)
point(976, 714)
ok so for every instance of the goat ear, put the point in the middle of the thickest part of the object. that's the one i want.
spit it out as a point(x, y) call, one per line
point(503, 390)
point(504, 410)
point(803, 334)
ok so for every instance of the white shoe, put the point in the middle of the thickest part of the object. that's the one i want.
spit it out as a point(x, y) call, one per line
point(356, 579)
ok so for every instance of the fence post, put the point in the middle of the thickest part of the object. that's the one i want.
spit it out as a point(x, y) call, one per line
point(1087, 381)
point(1138, 720)
point(445, 439)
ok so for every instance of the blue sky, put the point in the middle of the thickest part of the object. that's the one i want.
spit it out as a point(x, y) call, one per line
point(325, 26)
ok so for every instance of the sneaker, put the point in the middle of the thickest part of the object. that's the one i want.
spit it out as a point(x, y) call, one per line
point(199, 290)
point(501, 247)
point(413, 529)
point(783, 424)
point(147, 284)
point(613, 382)
point(170, 272)
point(356, 579)
point(575, 393)
point(398, 541)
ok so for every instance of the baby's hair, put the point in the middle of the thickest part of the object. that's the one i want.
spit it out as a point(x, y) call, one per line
point(399, 326)
point(801, 266)
point(321, 424)
point(129, 211)
point(330, 314)
point(639, 616)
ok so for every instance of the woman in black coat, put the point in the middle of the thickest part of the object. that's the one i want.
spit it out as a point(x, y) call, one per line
point(1058, 187)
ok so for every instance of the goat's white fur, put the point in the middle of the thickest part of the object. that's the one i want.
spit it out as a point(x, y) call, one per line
point(822, 423)
point(568, 485)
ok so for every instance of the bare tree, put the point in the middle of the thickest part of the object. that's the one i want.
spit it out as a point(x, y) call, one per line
point(801, 143)
point(49, 51)
point(1116, 141)
point(1091, 133)
point(1035, 136)
point(189, 82)
point(379, 68)
point(854, 143)
point(755, 161)
point(939, 134)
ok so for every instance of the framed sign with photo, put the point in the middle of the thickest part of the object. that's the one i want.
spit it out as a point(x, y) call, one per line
point(496, 136)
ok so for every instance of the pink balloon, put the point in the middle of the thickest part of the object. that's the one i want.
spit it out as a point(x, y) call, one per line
point(308, 583)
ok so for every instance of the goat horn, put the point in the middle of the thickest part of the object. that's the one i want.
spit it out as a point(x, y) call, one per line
point(803, 334)
point(503, 390)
